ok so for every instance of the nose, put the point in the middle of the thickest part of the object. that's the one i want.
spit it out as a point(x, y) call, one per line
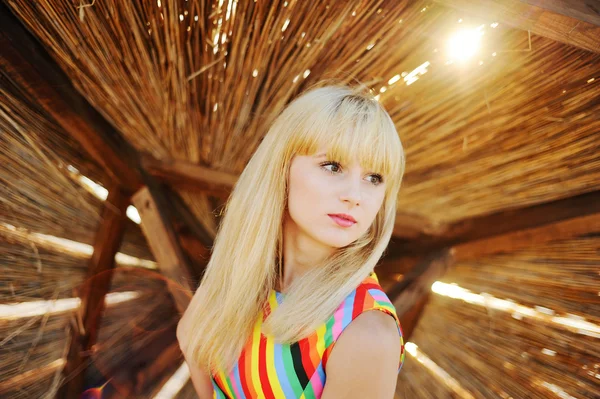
point(351, 192)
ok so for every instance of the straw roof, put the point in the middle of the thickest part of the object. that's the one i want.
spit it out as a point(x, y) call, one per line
point(537, 346)
point(505, 145)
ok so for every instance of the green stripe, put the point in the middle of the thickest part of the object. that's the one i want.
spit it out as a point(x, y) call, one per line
point(290, 371)
point(230, 386)
point(328, 337)
point(309, 392)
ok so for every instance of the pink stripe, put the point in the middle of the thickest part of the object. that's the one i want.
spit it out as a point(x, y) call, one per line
point(234, 384)
point(379, 297)
point(317, 384)
point(337, 324)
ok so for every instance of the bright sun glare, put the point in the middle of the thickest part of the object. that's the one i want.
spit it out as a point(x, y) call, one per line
point(464, 44)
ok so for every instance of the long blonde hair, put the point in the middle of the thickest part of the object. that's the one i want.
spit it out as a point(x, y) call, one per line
point(246, 259)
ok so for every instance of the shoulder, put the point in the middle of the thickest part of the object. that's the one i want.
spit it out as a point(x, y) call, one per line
point(374, 330)
point(364, 361)
point(370, 296)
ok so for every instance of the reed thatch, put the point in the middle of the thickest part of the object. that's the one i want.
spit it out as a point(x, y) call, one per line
point(33, 271)
point(200, 81)
point(170, 76)
point(38, 189)
point(494, 353)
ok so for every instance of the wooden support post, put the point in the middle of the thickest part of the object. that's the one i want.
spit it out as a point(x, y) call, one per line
point(527, 238)
point(409, 296)
point(84, 335)
point(497, 224)
point(411, 317)
point(190, 176)
point(170, 356)
point(172, 261)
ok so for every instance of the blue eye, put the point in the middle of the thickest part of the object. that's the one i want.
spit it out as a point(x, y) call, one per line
point(334, 164)
point(379, 179)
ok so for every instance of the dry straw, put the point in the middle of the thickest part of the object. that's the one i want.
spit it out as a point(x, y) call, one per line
point(199, 81)
point(192, 80)
point(37, 190)
point(493, 353)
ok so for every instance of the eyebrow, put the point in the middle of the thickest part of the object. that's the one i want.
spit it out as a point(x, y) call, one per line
point(320, 155)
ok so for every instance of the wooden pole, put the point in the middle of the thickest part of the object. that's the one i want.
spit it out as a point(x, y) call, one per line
point(497, 224)
point(85, 333)
point(172, 261)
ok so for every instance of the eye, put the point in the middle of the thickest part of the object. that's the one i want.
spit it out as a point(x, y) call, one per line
point(378, 179)
point(335, 166)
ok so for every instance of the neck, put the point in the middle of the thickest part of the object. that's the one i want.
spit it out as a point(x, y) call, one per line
point(301, 253)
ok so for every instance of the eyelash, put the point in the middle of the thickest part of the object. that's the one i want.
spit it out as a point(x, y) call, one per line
point(339, 166)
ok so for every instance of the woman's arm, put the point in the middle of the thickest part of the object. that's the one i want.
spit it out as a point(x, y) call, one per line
point(364, 361)
point(200, 378)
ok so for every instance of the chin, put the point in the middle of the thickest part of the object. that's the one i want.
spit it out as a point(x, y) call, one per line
point(338, 240)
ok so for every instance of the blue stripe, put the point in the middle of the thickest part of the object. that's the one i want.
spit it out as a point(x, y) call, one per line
point(348, 308)
point(321, 373)
point(237, 381)
point(218, 394)
point(281, 374)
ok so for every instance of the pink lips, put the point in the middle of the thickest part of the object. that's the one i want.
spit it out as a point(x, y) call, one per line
point(343, 220)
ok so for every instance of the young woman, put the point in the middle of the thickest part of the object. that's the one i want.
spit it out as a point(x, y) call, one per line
point(292, 263)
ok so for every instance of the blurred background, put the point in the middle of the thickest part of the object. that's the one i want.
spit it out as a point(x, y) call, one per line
point(124, 125)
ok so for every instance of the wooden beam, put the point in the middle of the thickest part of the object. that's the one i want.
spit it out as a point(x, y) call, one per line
point(542, 22)
point(25, 61)
point(486, 226)
point(187, 222)
point(172, 261)
point(410, 319)
point(581, 10)
point(410, 295)
point(396, 269)
point(418, 281)
point(413, 226)
point(146, 347)
point(171, 355)
point(187, 175)
point(106, 244)
point(527, 238)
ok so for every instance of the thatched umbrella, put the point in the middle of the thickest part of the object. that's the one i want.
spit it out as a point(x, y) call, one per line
point(104, 104)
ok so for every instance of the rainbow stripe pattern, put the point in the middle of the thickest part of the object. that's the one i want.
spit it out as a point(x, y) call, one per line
point(274, 371)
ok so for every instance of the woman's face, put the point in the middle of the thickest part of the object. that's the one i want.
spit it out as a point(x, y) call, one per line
point(319, 189)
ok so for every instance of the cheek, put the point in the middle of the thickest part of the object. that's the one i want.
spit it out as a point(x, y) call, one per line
point(373, 206)
point(305, 195)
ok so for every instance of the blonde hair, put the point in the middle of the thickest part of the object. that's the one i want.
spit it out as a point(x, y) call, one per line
point(246, 259)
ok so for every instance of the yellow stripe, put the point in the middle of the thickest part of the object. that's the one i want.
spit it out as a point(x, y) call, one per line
point(222, 376)
point(227, 390)
point(321, 339)
point(254, 359)
point(271, 371)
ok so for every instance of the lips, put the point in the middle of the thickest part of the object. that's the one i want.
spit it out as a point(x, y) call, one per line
point(342, 219)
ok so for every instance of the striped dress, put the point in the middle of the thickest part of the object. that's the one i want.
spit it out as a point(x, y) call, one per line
point(269, 370)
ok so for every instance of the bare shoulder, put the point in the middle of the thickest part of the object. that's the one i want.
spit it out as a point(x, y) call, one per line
point(184, 324)
point(201, 379)
point(364, 360)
